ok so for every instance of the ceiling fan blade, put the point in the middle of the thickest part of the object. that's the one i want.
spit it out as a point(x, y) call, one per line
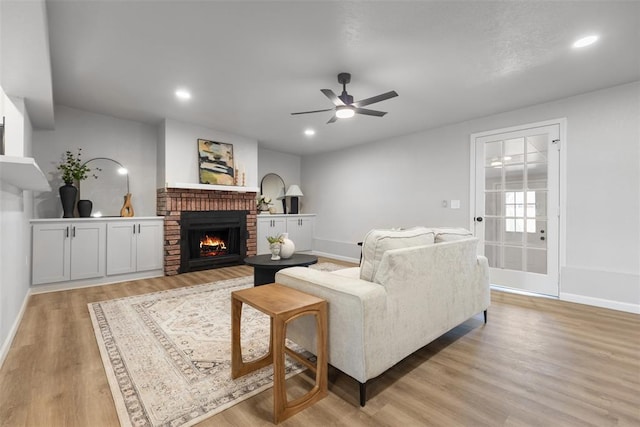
point(375, 99)
point(332, 96)
point(332, 119)
point(314, 111)
point(370, 112)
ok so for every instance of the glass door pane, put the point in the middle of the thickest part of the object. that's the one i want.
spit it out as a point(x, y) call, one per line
point(515, 199)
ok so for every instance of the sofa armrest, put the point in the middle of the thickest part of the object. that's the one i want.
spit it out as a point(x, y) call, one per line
point(330, 285)
point(356, 309)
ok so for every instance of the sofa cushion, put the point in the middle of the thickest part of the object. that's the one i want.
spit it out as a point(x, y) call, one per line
point(377, 242)
point(451, 234)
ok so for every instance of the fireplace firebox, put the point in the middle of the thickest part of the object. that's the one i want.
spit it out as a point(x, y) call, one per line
point(212, 239)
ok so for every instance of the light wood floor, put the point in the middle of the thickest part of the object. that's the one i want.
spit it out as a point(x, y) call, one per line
point(537, 362)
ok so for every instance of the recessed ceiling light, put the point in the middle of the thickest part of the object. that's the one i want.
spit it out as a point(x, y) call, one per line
point(585, 41)
point(309, 132)
point(183, 94)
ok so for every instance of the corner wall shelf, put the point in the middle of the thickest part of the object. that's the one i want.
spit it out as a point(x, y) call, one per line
point(24, 173)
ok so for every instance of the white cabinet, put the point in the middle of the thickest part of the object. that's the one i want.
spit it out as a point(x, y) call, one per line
point(68, 251)
point(299, 227)
point(75, 252)
point(134, 245)
point(301, 232)
point(269, 225)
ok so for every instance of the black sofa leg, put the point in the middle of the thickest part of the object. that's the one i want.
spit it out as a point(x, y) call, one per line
point(485, 316)
point(363, 393)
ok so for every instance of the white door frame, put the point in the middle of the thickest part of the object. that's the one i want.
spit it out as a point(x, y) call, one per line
point(562, 220)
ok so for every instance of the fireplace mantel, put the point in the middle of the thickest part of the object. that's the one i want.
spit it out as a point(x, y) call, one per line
point(191, 186)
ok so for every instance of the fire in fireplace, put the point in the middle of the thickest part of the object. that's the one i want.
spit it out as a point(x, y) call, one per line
point(212, 245)
point(212, 239)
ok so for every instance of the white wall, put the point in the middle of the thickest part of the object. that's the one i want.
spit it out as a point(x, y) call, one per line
point(285, 165)
point(131, 143)
point(402, 181)
point(181, 153)
point(16, 208)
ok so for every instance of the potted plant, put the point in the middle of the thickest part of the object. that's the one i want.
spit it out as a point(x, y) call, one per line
point(274, 246)
point(263, 203)
point(73, 170)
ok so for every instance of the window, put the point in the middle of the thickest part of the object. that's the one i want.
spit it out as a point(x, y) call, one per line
point(520, 211)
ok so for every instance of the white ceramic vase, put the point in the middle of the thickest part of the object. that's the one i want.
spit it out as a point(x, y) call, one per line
point(287, 247)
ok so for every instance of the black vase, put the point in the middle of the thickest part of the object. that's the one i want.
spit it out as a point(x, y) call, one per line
point(68, 195)
point(84, 208)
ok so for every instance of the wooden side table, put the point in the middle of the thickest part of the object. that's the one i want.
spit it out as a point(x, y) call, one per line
point(283, 305)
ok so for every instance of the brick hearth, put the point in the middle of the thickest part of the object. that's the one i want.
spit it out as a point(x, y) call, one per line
point(172, 201)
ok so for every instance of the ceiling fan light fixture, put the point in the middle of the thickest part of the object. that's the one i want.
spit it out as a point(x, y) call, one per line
point(344, 112)
point(585, 41)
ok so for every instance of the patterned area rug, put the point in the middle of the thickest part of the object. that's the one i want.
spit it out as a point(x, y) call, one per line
point(167, 355)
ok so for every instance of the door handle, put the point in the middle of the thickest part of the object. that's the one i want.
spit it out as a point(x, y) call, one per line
point(478, 219)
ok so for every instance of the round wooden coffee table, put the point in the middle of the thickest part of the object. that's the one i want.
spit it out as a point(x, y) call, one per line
point(264, 269)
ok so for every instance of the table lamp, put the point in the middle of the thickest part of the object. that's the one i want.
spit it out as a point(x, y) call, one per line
point(294, 192)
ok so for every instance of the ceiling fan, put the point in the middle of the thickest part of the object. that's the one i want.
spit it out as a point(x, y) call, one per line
point(344, 105)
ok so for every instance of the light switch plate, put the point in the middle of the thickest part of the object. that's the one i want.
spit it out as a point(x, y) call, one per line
point(455, 204)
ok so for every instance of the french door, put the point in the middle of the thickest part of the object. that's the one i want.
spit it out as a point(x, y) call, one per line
point(515, 211)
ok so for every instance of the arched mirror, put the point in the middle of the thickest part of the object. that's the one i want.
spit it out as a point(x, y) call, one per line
point(272, 185)
point(108, 189)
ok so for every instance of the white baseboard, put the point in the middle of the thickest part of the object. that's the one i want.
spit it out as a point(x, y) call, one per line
point(6, 345)
point(66, 286)
point(599, 302)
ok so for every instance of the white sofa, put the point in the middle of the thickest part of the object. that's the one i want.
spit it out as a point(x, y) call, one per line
point(411, 287)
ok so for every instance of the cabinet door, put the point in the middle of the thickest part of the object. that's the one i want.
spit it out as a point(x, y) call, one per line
point(51, 245)
point(269, 227)
point(300, 230)
point(88, 250)
point(121, 247)
point(149, 245)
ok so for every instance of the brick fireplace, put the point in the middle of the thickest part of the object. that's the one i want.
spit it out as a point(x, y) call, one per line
point(172, 202)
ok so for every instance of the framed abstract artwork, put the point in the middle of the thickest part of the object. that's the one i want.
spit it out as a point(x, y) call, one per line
point(215, 160)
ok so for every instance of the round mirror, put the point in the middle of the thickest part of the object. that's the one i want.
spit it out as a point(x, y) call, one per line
point(272, 185)
point(106, 186)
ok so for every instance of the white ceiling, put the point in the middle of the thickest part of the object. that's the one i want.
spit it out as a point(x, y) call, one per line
point(250, 64)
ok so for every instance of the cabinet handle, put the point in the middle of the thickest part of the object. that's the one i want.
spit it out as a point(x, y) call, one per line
point(138, 228)
point(134, 229)
point(74, 231)
point(67, 231)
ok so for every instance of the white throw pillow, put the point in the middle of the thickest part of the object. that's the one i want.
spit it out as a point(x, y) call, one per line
point(377, 242)
point(451, 234)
